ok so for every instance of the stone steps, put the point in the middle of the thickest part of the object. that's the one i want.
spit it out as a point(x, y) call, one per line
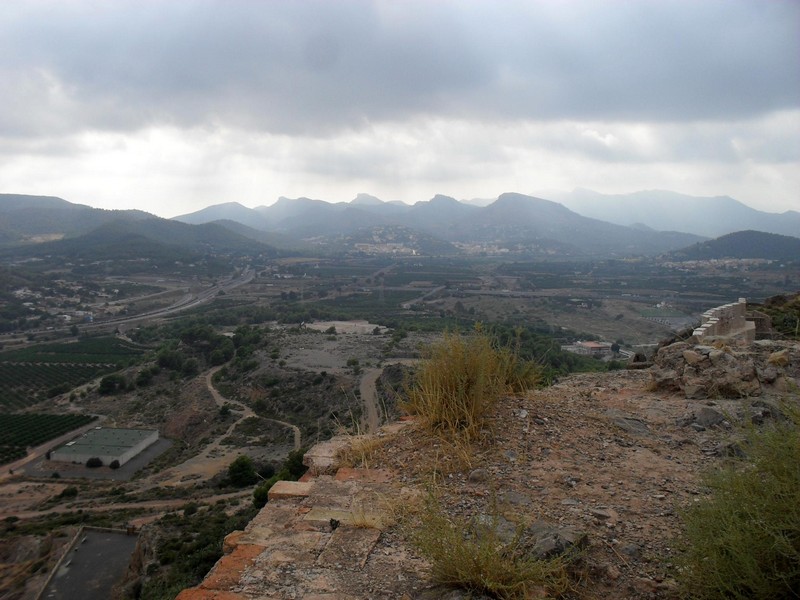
point(315, 539)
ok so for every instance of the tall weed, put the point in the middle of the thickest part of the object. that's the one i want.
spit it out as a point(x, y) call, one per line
point(461, 380)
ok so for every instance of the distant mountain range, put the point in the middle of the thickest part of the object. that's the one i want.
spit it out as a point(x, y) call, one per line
point(664, 210)
point(513, 224)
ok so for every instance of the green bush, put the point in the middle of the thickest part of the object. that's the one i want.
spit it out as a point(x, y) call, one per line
point(462, 379)
point(242, 471)
point(112, 384)
point(68, 492)
point(261, 493)
point(743, 541)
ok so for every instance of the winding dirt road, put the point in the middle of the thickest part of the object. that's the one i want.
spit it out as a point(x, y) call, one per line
point(215, 457)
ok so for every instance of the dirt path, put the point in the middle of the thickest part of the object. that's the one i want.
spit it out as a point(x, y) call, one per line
point(144, 505)
point(247, 412)
point(298, 440)
point(369, 396)
point(215, 457)
point(371, 420)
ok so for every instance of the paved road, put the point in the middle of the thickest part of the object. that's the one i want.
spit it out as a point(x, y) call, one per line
point(189, 300)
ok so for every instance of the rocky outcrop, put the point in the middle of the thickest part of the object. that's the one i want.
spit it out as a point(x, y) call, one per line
point(720, 371)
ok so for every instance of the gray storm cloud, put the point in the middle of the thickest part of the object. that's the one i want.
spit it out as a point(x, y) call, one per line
point(320, 67)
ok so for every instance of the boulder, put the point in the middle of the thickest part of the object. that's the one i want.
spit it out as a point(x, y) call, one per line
point(701, 372)
point(544, 540)
point(708, 417)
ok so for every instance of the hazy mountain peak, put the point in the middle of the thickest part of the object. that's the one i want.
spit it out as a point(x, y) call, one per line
point(285, 200)
point(441, 200)
point(664, 210)
point(512, 200)
point(227, 210)
point(366, 200)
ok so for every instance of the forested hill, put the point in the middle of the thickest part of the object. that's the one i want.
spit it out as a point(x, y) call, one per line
point(743, 244)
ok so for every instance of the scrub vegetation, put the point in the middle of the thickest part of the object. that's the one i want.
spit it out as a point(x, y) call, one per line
point(743, 541)
point(462, 379)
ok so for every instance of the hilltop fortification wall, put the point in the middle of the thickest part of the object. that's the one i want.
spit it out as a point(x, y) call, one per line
point(727, 322)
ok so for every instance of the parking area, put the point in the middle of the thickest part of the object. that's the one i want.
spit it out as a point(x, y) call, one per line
point(46, 468)
point(96, 562)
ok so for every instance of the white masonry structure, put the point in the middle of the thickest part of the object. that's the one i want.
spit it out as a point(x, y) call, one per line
point(726, 322)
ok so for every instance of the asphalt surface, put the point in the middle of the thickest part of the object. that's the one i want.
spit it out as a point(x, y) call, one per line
point(45, 468)
point(92, 567)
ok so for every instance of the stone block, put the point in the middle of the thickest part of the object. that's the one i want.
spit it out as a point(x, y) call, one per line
point(324, 457)
point(349, 548)
point(231, 541)
point(363, 475)
point(228, 570)
point(290, 489)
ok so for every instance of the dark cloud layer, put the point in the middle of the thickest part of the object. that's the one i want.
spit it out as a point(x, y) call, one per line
point(321, 67)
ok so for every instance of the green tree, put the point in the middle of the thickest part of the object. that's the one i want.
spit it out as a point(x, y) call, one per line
point(242, 471)
point(112, 384)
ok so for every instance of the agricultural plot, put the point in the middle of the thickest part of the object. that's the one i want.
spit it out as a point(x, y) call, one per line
point(102, 350)
point(25, 384)
point(18, 432)
point(30, 375)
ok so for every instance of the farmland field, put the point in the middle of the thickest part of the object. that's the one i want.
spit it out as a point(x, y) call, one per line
point(104, 350)
point(18, 432)
point(30, 375)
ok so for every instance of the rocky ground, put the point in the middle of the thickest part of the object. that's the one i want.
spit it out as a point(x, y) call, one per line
point(604, 462)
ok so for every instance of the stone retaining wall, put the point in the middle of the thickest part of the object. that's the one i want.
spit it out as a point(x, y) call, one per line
point(726, 322)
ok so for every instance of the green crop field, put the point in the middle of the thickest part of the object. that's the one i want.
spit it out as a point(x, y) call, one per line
point(101, 350)
point(29, 375)
point(18, 432)
point(24, 384)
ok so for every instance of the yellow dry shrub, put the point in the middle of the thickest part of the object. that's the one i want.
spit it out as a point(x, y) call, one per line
point(461, 380)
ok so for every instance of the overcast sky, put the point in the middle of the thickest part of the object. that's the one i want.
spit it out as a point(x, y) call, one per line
point(170, 106)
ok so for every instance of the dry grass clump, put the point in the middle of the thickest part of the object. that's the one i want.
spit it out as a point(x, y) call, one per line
point(472, 556)
point(744, 540)
point(779, 359)
point(361, 451)
point(462, 379)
